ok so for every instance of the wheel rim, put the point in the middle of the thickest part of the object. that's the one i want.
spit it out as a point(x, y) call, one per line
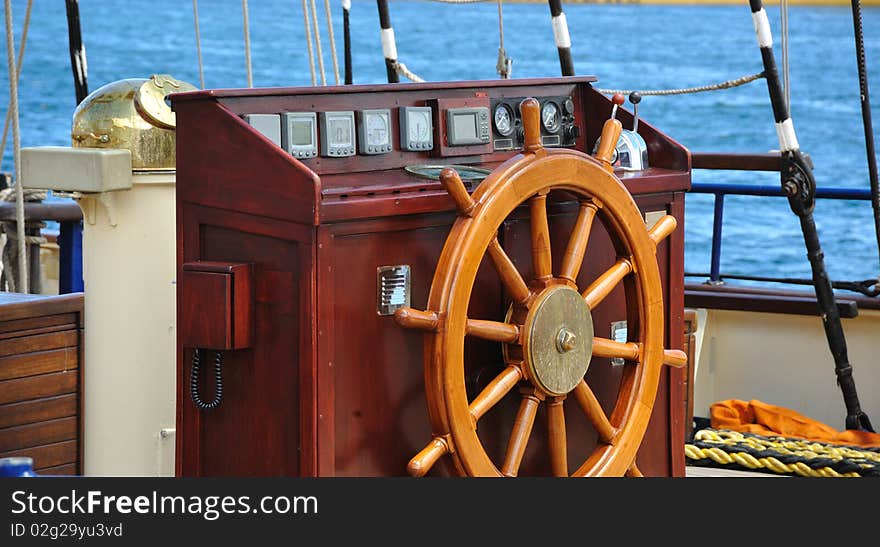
point(581, 175)
point(528, 178)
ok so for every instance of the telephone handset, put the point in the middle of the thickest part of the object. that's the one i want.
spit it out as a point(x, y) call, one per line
point(216, 302)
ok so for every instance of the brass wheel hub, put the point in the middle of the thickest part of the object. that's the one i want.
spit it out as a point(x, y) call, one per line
point(559, 340)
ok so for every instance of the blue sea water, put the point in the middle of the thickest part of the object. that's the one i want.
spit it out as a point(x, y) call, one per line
point(625, 45)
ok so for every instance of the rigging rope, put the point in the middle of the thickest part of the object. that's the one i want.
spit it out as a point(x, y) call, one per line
point(680, 91)
point(23, 281)
point(401, 69)
point(24, 33)
point(318, 43)
point(866, 118)
point(247, 43)
point(308, 27)
point(332, 41)
point(504, 62)
point(198, 42)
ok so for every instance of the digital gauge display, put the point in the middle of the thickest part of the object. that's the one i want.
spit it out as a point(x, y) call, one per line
point(337, 134)
point(299, 134)
point(374, 131)
point(467, 126)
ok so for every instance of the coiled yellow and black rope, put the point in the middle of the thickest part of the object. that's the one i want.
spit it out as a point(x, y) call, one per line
point(780, 455)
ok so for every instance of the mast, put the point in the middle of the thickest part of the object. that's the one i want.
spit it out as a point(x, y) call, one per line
point(563, 39)
point(389, 47)
point(346, 36)
point(77, 51)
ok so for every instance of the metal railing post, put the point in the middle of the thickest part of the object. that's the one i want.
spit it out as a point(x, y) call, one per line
point(717, 220)
point(70, 277)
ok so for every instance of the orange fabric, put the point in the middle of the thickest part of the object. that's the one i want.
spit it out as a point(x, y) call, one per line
point(769, 420)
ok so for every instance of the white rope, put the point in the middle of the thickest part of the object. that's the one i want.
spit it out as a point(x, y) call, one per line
point(332, 41)
point(24, 33)
point(680, 91)
point(783, 5)
point(247, 43)
point(198, 42)
point(401, 69)
point(504, 62)
point(318, 43)
point(23, 282)
point(308, 27)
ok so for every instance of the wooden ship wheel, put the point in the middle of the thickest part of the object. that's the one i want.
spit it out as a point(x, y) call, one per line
point(547, 336)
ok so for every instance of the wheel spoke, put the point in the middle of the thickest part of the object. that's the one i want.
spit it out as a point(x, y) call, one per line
point(508, 273)
point(577, 243)
point(541, 259)
point(519, 437)
point(422, 462)
point(591, 407)
point(675, 358)
point(492, 330)
point(412, 318)
point(603, 347)
point(605, 283)
point(662, 229)
point(494, 392)
point(556, 434)
point(634, 471)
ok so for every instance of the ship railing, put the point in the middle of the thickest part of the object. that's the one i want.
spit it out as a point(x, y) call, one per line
point(67, 215)
point(757, 162)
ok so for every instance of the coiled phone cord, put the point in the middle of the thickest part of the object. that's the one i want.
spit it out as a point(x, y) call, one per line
point(218, 380)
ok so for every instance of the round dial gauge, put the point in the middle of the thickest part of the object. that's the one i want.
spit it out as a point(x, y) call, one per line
point(503, 120)
point(550, 116)
point(377, 130)
point(419, 126)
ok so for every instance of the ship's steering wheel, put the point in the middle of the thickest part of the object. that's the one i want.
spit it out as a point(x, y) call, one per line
point(547, 336)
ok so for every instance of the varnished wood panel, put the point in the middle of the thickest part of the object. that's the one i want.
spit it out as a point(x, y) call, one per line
point(44, 385)
point(37, 325)
point(246, 172)
point(28, 306)
point(49, 455)
point(41, 378)
point(59, 470)
point(260, 397)
point(26, 436)
point(39, 362)
point(39, 342)
point(37, 410)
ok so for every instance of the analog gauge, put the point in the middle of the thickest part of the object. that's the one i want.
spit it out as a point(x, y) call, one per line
point(419, 126)
point(550, 116)
point(374, 131)
point(568, 106)
point(377, 130)
point(416, 129)
point(503, 120)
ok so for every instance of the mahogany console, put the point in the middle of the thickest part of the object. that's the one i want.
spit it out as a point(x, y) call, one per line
point(306, 216)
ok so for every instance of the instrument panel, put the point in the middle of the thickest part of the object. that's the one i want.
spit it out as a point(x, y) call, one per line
point(439, 127)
